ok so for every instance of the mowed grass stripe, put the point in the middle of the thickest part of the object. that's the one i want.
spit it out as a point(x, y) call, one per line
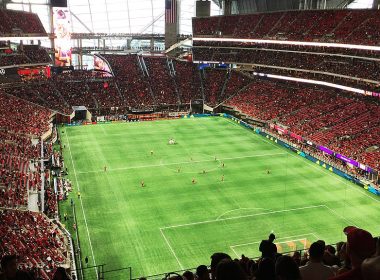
point(124, 219)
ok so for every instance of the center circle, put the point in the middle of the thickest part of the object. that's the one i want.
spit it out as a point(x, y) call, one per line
point(196, 163)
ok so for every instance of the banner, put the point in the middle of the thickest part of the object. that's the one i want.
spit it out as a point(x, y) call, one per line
point(62, 25)
point(326, 150)
point(347, 160)
point(34, 72)
point(100, 64)
point(9, 74)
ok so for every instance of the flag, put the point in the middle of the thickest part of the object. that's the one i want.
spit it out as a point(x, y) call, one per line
point(170, 11)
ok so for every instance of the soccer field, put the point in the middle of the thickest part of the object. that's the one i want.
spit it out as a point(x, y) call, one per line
point(172, 223)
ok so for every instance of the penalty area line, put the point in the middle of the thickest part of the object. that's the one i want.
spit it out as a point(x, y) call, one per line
point(323, 170)
point(171, 249)
point(285, 239)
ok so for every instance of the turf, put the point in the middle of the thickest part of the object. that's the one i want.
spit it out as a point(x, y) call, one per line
point(171, 223)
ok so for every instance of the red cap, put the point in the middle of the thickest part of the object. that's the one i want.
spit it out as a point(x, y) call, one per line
point(360, 241)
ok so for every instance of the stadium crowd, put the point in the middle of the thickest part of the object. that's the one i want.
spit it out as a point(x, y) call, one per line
point(19, 149)
point(347, 124)
point(163, 88)
point(38, 243)
point(20, 22)
point(297, 109)
point(188, 81)
point(342, 65)
point(145, 80)
point(27, 54)
point(65, 90)
point(327, 50)
point(356, 258)
point(13, 59)
point(36, 54)
point(325, 77)
point(213, 82)
point(130, 78)
point(344, 26)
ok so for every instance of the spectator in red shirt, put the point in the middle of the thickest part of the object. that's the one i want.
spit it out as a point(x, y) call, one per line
point(360, 245)
point(371, 266)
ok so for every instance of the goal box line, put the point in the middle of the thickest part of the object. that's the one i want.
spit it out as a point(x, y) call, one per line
point(285, 239)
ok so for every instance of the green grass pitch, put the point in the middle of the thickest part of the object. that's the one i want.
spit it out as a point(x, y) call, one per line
point(171, 223)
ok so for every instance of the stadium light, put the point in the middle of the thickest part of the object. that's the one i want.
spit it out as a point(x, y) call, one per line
point(297, 43)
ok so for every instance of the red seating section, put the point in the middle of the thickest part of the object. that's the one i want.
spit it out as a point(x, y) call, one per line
point(346, 124)
point(37, 241)
point(20, 22)
point(161, 82)
point(344, 26)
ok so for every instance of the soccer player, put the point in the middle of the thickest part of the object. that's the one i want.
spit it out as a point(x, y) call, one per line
point(78, 195)
point(223, 164)
point(105, 168)
point(193, 181)
point(142, 183)
point(204, 171)
point(151, 152)
point(268, 171)
point(179, 169)
point(222, 178)
point(215, 158)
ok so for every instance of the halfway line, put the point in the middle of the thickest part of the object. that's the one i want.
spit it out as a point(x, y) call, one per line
point(183, 162)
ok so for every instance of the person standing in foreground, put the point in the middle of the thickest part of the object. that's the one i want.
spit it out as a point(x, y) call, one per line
point(267, 248)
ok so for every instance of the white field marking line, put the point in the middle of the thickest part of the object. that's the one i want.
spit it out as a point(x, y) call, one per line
point(323, 171)
point(104, 131)
point(244, 216)
point(233, 250)
point(340, 216)
point(235, 201)
point(237, 209)
point(178, 163)
point(312, 165)
point(316, 236)
point(282, 238)
point(80, 199)
point(194, 172)
point(171, 249)
point(291, 240)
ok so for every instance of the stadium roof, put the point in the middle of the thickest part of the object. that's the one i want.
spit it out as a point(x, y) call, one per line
point(142, 16)
point(115, 16)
